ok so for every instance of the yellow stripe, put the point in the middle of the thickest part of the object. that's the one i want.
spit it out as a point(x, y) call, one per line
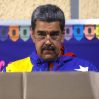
point(23, 65)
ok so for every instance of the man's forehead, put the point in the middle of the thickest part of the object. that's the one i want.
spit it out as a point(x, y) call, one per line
point(47, 25)
point(41, 23)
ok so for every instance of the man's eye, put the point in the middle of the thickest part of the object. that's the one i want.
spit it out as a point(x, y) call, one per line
point(41, 33)
point(54, 34)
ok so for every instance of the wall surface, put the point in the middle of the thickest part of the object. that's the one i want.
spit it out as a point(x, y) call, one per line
point(88, 9)
point(22, 9)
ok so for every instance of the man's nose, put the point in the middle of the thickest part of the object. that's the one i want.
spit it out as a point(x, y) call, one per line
point(48, 39)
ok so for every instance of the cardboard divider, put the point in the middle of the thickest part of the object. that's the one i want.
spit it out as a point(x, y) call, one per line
point(59, 86)
point(49, 85)
point(94, 79)
point(11, 86)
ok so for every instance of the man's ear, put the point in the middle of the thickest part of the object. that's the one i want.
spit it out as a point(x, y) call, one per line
point(32, 34)
point(63, 36)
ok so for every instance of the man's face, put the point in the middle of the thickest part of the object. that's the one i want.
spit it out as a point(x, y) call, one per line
point(48, 38)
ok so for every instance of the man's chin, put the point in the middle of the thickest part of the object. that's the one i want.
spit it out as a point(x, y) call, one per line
point(49, 58)
point(49, 55)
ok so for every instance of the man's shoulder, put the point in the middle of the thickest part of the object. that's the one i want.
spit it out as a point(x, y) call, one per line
point(77, 64)
point(84, 64)
point(22, 65)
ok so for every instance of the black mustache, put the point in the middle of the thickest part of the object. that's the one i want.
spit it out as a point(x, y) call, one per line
point(48, 47)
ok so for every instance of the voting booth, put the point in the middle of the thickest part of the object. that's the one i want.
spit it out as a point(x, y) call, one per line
point(49, 85)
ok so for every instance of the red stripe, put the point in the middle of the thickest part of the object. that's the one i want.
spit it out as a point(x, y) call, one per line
point(51, 67)
point(70, 54)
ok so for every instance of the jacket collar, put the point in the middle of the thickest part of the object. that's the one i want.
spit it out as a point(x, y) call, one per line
point(63, 58)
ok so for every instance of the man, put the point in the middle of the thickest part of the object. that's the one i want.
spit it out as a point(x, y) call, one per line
point(47, 32)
